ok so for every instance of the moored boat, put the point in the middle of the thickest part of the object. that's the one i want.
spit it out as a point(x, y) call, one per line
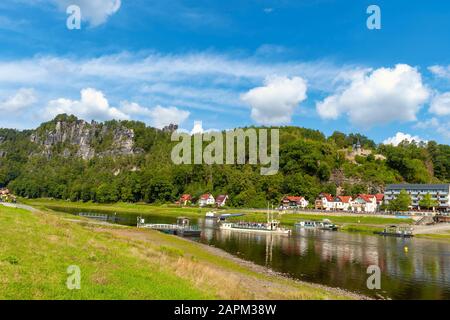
point(397, 231)
point(211, 215)
point(271, 226)
point(321, 225)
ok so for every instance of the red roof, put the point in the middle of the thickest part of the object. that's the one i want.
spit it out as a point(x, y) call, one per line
point(205, 196)
point(367, 197)
point(327, 195)
point(293, 198)
point(344, 199)
point(221, 198)
point(185, 197)
point(379, 197)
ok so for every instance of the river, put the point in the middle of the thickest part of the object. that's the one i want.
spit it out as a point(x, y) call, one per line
point(410, 268)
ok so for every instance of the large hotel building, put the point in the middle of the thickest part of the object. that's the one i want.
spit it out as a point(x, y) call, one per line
point(439, 192)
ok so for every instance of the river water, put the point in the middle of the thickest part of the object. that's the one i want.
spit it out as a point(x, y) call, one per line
point(410, 268)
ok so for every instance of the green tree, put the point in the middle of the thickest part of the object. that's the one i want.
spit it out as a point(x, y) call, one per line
point(428, 202)
point(401, 203)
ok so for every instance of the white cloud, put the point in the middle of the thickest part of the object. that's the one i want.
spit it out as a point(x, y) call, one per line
point(440, 71)
point(400, 137)
point(96, 12)
point(378, 97)
point(159, 116)
point(440, 105)
point(92, 105)
point(22, 99)
point(436, 125)
point(275, 102)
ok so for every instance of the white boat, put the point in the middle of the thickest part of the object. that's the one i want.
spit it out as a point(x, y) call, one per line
point(211, 215)
point(271, 226)
point(322, 225)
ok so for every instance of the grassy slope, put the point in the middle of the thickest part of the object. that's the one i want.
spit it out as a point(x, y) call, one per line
point(124, 263)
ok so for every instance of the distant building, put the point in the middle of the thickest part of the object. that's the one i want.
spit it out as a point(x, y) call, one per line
point(185, 199)
point(292, 202)
point(365, 203)
point(221, 200)
point(342, 203)
point(324, 202)
point(206, 200)
point(439, 192)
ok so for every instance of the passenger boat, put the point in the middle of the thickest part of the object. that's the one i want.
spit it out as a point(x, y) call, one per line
point(397, 231)
point(321, 225)
point(271, 226)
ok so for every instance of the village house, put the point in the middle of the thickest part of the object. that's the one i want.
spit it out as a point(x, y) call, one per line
point(6, 196)
point(185, 199)
point(324, 202)
point(206, 199)
point(342, 203)
point(221, 200)
point(365, 203)
point(293, 202)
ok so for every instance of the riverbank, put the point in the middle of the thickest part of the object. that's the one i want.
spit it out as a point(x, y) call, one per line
point(353, 223)
point(128, 263)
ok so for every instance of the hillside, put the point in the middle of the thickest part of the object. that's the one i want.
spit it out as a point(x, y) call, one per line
point(68, 158)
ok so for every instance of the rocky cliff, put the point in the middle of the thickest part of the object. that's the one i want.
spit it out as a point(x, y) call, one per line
point(73, 137)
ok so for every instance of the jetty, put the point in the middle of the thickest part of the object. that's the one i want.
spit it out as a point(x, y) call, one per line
point(181, 228)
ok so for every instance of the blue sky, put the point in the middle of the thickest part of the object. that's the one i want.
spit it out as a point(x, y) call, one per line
point(310, 63)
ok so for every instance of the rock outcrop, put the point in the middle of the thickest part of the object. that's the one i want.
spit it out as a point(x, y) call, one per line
point(73, 137)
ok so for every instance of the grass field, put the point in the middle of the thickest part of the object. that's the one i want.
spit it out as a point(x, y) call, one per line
point(36, 249)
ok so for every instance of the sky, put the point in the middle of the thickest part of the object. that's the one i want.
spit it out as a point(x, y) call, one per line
point(307, 63)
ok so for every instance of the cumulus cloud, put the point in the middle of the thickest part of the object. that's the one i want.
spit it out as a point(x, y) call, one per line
point(440, 105)
point(159, 116)
point(380, 96)
point(275, 102)
point(92, 105)
point(95, 12)
point(22, 99)
point(400, 137)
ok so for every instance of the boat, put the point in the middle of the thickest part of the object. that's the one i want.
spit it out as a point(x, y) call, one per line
point(211, 215)
point(181, 228)
point(272, 226)
point(321, 225)
point(396, 231)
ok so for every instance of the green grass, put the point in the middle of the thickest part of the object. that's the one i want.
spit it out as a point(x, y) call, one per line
point(35, 254)
point(163, 210)
point(36, 249)
point(436, 236)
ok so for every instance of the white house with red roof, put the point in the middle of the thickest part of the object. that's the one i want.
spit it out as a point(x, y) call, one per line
point(325, 201)
point(185, 199)
point(291, 202)
point(365, 203)
point(221, 200)
point(343, 203)
point(206, 199)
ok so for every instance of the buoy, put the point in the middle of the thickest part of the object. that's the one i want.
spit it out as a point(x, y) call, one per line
point(406, 249)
